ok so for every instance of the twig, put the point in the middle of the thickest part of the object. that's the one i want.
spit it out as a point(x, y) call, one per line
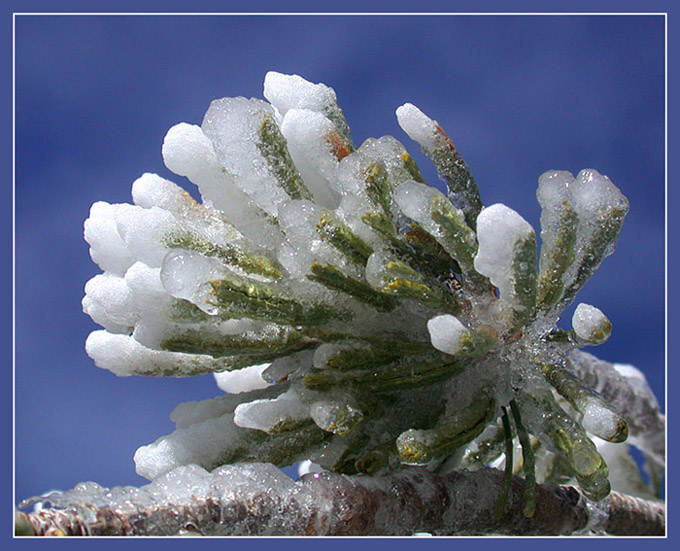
point(253, 500)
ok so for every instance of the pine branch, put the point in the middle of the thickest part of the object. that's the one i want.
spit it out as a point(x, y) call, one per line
point(253, 500)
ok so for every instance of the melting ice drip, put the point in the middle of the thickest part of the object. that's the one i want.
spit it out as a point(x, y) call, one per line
point(356, 316)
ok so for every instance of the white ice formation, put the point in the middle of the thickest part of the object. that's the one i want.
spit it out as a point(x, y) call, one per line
point(357, 317)
point(590, 324)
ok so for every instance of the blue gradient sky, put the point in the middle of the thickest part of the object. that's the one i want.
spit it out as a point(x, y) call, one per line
point(95, 96)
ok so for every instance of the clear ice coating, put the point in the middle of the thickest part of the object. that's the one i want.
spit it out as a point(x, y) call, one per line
point(162, 507)
point(358, 318)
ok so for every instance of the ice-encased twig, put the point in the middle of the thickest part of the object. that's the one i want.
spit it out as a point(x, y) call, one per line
point(587, 214)
point(562, 435)
point(287, 92)
point(627, 390)
point(258, 500)
point(599, 418)
point(124, 356)
point(420, 447)
point(394, 277)
point(438, 216)
point(451, 166)
point(219, 441)
point(507, 256)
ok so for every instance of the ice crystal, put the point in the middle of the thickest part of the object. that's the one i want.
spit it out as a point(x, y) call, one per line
point(359, 318)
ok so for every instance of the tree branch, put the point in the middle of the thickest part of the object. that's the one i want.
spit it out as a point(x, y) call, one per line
point(257, 499)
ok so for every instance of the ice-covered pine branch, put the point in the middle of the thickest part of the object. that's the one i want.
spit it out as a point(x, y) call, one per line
point(356, 316)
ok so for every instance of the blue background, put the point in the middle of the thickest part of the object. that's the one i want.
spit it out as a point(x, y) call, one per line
point(95, 96)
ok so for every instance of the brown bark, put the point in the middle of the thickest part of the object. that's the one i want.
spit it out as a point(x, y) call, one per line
point(404, 503)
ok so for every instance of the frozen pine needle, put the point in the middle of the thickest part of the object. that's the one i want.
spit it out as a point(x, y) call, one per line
point(359, 318)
